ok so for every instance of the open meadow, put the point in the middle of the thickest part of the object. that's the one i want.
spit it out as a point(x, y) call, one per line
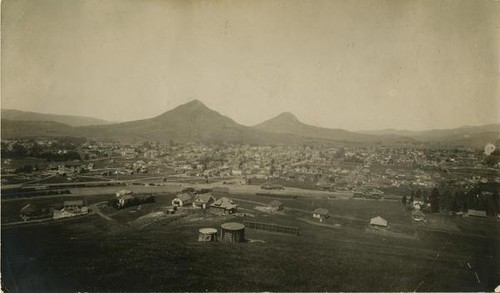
point(98, 254)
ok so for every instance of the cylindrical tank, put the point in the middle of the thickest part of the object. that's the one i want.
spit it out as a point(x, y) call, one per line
point(232, 232)
point(207, 235)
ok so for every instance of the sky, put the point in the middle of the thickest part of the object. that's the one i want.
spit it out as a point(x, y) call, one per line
point(357, 65)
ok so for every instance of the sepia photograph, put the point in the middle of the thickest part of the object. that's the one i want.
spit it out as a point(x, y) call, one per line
point(250, 146)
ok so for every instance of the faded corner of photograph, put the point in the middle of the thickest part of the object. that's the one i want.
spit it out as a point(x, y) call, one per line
point(250, 146)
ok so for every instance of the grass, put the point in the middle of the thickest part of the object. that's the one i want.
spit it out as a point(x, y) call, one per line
point(92, 254)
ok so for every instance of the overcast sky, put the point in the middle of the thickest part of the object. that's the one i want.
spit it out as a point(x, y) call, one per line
point(339, 64)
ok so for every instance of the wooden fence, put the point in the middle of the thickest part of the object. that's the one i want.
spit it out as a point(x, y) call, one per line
point(272, 227)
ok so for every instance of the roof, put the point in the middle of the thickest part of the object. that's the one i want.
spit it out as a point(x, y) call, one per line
point(204, 198)
point(208, 231)
point(378, 221)
point(123, 191)
point(417, 213)
point(321, 211)
point(78, 202)
point(126, 196)
point(184, 197)
point(224, 203)
point(275, 203)
point(232, 226)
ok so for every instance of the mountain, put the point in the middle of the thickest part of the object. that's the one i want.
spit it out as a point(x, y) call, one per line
point(287, 123)
point(465, 135)
point(190, 122)
point(16, 129)
point(16, 115)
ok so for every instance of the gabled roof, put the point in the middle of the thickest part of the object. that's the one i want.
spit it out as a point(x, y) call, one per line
point(123, 191)
point(184, 197)
point(204, 198)
point(417, 213)
point(321, 211)
point(126, 196)
point(378, 221)
point(224, 203)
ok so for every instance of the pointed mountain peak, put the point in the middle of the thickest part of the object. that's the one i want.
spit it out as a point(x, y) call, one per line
point(287, 116)
point(194, 103)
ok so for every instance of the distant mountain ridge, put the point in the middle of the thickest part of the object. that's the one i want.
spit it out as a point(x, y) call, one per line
point(195, 122)
point(16, 115)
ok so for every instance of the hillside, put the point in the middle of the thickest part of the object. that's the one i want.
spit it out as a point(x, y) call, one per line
point(16, 115)
point(287, 123)
point(190, 122)
point(16, 129)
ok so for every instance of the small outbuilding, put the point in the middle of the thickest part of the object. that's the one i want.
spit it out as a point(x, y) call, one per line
point(123, 192)
point(232, 232)
point(378, 222)
point(207, 235)
point(321, 214)
point(276, 205)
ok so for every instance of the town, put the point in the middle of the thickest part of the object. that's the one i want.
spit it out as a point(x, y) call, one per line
point(395, 193)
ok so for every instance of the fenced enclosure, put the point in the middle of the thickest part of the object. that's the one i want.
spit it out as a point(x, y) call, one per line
point(271, 227)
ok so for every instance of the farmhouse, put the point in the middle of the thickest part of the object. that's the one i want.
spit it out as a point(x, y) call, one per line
point(321, 214)
point(223, 206)
point(202, 201)
point(378, 222)
point(71, 208)
point(276, 205)
point(182, 200)
point(123, 199)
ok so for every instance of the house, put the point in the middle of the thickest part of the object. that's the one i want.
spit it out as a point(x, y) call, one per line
point(476, 213)
point(203, 201)
point(378, 222)
point(321, 214)
point(418, 216)
point(276, 205)
point(182, 200)
point(71, 208)
point(223, 206)
point(75, 205)
point(123, 199)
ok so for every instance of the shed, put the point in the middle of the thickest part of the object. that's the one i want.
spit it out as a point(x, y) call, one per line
point(207, 235)
point(321, 214)
point(378, 222)
point(232, 232)
point(276, 205)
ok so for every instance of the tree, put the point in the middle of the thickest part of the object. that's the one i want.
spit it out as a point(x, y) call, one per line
point(435, 200)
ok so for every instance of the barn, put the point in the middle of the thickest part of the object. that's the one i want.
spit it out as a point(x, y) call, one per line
point(232, 232)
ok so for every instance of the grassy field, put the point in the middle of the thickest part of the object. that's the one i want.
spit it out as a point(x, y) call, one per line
point(93, 254)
